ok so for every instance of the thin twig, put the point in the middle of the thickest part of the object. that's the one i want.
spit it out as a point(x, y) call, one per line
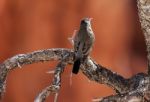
point(54, 88)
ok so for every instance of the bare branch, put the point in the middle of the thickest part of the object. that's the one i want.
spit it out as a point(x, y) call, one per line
point(54, 88)
point(37, 56)
point(92, 70)
point(45, 93)
point(130, 97)
point(144, 15)
point(137, 88)
point(102, 75)
point(138, 92)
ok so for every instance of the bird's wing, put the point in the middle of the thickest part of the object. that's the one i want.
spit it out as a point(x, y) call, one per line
point(76, 41)
point(88, 43)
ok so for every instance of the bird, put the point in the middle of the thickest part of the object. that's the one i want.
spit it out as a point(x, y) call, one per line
point(83, 43)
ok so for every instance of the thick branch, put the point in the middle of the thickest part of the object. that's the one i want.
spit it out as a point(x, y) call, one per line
point(136, 88)
point(102, 75)
point(89, 68)
point(138, 93)
point(23, 59)
point(130, 97)
point(144, 16)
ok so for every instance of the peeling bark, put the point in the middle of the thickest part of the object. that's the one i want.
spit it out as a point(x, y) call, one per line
point(134, 89)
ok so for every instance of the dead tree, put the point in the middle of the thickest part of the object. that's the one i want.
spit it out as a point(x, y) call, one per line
point(134, 89)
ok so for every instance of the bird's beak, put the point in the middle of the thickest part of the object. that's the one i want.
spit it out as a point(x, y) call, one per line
point(90, 19)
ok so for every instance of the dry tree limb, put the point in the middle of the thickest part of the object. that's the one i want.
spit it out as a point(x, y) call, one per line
point(136, 88)
point(102, 75)
point(144, 16)
point(24, 59)
point(134, 97)
point(139, 91)
point(54, 88)
point(92, 70)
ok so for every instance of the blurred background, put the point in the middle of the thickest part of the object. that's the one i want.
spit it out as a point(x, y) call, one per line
point(29, 25)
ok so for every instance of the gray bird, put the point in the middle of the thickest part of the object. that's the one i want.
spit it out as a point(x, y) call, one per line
point(83, 42)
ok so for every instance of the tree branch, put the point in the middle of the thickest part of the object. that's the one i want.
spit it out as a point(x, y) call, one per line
point(144, 16)
point(92, 70)
point(34, 57)
point(54, 88)
point(131, 97)
point(139, 91)
point(136, 88)
point(102, 75)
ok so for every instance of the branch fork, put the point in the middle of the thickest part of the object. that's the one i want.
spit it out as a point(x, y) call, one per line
point(134, 89)
point(124, 88)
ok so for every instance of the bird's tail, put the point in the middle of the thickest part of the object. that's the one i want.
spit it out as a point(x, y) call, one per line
point(76, 66)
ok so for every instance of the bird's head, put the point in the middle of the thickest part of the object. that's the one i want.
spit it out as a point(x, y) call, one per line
point(86, 22)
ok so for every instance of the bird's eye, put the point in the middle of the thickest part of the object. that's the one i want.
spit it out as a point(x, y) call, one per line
point(83, 22)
